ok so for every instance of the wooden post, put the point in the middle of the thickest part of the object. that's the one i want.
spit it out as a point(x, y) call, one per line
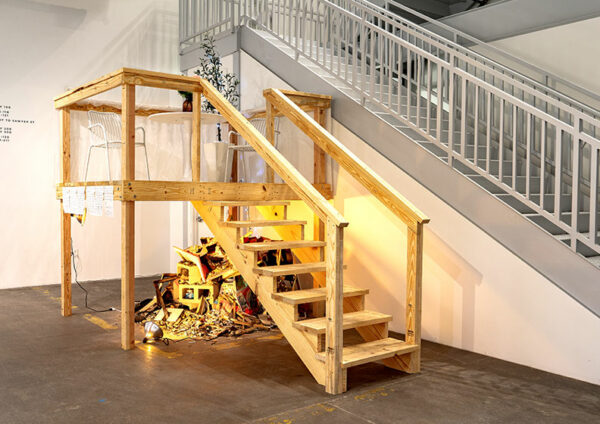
point(414, 276)
point(270, 135)
point(334, 341)
point(319, 174)
point(234, 214)
point(196, 135)
point(319, 154)
point(127, 218)
point(65, 219)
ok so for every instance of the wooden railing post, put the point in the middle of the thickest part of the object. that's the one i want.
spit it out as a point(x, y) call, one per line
point(127, 217)
point(196, 135)
point(65, 219)
point(414, 276)
point(319, 154)
point(334, 339)
point(270, 136)
point(319, 174)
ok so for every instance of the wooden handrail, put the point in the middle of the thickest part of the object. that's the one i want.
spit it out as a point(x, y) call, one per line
point(383, 191)
point(272, 157)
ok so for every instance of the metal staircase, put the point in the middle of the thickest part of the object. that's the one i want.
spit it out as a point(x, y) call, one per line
point(525, 143)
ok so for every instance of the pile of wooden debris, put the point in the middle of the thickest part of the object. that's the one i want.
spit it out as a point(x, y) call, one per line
point(208, 298)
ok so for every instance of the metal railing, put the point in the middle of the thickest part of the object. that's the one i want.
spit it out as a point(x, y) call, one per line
point(538, 78)
point(532, 142)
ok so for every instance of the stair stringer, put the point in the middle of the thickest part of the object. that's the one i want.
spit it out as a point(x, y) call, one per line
point(263, 288)
point(369, 333)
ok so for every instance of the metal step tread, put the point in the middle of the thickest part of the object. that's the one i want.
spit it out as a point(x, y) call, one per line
point(297, 297)
point(372, 351)
point(277, 245)
point(291, 269)
point(235, 203)
point(262, 223)
point(350, 320)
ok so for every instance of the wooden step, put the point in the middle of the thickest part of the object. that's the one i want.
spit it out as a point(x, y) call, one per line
point(372, 351)
point(291, 269)
point(298, 297)
point(351, 320)
point(277, 245)
point(261, 223)
point(230, 203)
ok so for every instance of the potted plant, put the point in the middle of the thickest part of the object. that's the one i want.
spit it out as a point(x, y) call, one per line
point(187, 101)
point(211, 69)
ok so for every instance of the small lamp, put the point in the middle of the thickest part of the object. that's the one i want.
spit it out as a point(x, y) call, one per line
point(153, 332)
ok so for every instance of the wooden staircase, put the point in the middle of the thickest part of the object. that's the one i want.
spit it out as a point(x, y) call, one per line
point(319, 339)
point(307, 336)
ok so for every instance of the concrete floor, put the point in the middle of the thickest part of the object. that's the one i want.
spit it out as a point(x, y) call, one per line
point(71, 370)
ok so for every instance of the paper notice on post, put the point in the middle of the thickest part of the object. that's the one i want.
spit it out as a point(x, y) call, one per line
point(94, 196)
point(78, 200)
point(108, 201)
point(66, 198)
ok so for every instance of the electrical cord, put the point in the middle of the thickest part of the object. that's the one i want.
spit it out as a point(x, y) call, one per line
point(81, 287)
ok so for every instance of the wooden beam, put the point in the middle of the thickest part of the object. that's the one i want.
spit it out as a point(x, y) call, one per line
point(414, 277)
point(142, 190)
point(334, 339)
point(104, 107)
point(305, 107)
point(383, 191)
point(65, 219)
point(272, 157)
point(196, 135)
point(160, 80)
point(127, 76)
point(97, 86)
point(128, 219)
point(270, 134)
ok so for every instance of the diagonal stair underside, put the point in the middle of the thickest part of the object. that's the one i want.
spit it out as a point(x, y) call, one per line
point(244, 262)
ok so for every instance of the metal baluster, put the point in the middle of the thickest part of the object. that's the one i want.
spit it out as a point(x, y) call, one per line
point(381, 65)
point(463, 118)
point(391, 73)
point(451, 109)
point(313, 32)
point(440, 102)
point(476, 127)
point(528, 155)
point(542, 163)
point(593, 193)
point(372, 55)
point(489, 131)
point(418, 114)
point(575, 189)
point(339, 44)
point(363, 60)
point(409, 54)
point(354, 53)
point(400, 72)
point(557, 172)
point(428, 123)
point(501, 143)
point(514, 145)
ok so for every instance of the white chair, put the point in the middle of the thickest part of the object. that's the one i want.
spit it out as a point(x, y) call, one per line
point(243, 147)
point(105, 128)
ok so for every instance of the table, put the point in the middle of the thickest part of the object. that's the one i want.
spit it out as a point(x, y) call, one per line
point(181, 118)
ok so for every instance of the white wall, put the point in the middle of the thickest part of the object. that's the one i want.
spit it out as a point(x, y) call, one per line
point(477, 295)
point(570, 51)
point(47, 47)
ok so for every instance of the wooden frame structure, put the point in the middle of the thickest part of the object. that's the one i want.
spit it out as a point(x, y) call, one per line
point(329, 223)
point(128, 190)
